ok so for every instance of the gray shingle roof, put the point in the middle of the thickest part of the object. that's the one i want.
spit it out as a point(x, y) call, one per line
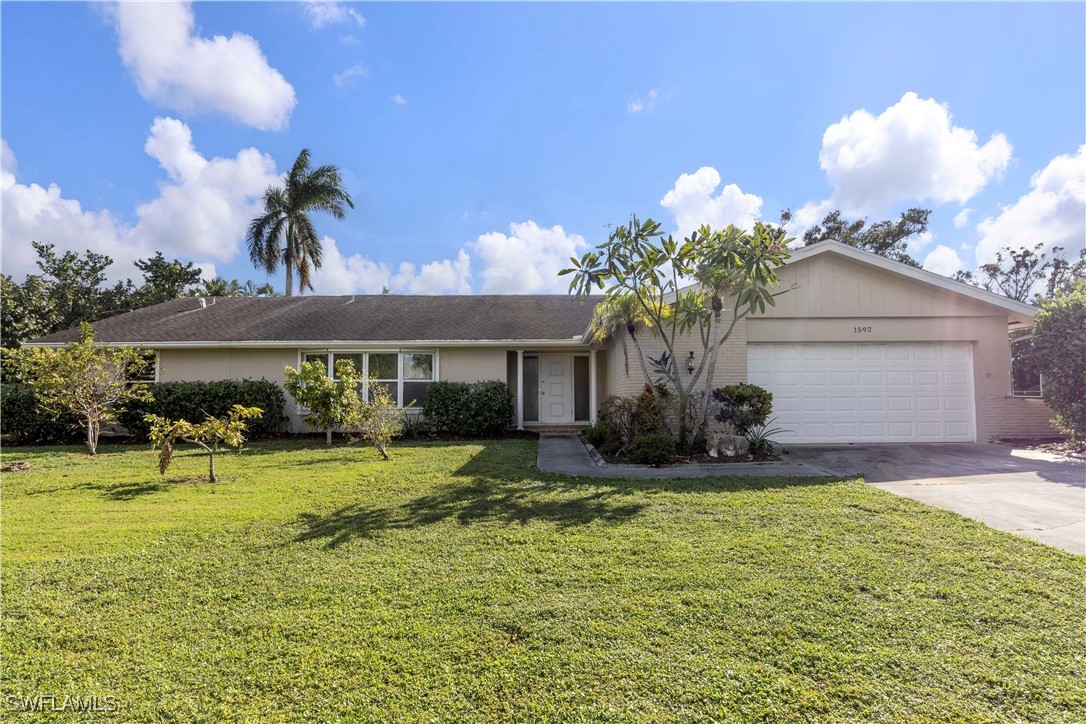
point(359, 318)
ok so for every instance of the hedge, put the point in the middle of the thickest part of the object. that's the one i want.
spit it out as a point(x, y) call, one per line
point(193, 401)
point(21, 419)
point(469, 408)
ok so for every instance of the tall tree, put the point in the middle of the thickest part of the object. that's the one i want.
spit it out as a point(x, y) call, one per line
point(219, 287)
point(164, 280)
point(886, 238)
point(1020, 274)
point(284, 233)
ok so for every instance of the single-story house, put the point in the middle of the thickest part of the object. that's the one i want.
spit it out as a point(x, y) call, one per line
point(860, 349)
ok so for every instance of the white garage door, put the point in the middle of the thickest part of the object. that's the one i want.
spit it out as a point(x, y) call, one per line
point(893, 392)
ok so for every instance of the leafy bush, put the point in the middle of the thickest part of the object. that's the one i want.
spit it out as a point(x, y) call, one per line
point(469, 408)
point(744, 406)
point(762, 437)
point(653, 449)
point(329, 403)
point(595, 435)
point(622, 419)
point(198, 400)
point(1059, 346)
point(378, 419)
point(228, 430)
point(27, 424)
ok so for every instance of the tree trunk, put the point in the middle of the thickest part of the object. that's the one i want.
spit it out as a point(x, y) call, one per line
point(328, 432)
point(290, 275)
point(381, 449)
point(211, 467)
point(92, 437)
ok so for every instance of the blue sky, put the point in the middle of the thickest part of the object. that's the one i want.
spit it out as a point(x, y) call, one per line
point(485, 143)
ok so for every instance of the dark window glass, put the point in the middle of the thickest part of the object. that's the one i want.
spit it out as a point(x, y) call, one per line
point(531, 389)
point(383, 366)
point(356, 359)
point(391, 387)
point(580, 388)
point(415, 391)
point(418, 366)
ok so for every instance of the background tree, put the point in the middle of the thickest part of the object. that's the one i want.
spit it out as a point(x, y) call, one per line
point(83, 378)
point(209, 434)
point(619, 317)
point(284, 233)
point(219, 287)
point(378, 420)
point(331, 403)
point(886, 238)
point(1059, 342)
point(733, 267)
point(163, 280)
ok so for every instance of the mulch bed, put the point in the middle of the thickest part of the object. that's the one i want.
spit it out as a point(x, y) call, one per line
point(18, 466)
point(1054, 446)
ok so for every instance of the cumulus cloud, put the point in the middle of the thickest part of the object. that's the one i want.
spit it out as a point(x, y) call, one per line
point(348, 76)
point(692, 202)
point(192, 74)
point(201, 212)
point(943, 260)
point(644, 102)
point(527, 260)
point(399, 100)
point(911, 151)
point(322, 13)
point(358, 274)
point(1054, 211)
point(961, 219)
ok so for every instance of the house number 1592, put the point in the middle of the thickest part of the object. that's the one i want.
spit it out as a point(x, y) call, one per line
point(861, 330)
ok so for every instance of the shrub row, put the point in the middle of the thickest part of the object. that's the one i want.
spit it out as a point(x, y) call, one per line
point(193, 401)
point(469, 408)
point(26, 424)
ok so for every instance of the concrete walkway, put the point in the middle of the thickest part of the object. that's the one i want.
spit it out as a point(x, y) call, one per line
point(566, 454)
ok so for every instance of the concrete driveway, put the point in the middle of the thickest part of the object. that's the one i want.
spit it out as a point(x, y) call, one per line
point(1034, 494)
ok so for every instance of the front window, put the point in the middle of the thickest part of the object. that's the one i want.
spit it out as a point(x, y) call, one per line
point(406, 375)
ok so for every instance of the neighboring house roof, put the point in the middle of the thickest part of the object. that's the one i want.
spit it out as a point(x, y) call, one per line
point(264, 321)
point(921, 275)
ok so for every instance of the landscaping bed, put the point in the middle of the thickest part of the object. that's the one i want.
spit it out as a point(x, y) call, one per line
point(457, 582)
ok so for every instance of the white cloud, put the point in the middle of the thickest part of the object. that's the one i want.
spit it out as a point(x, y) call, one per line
point(911, 151)
point(527, 260)
point(202, 210)
point(183, 71)
point(322, 13)
point(1053, 212)
point(357, 274)
point(692, 202)
point(448, 276)
point(642, 103)
point(962, 218)
point(399, 100)
point(943, 260)
point(346, 77)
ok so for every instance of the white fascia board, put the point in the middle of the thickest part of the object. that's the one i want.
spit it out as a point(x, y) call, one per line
point(921, 275)
point(345, 344)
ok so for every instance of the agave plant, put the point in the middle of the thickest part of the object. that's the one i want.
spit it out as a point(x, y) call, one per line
point(761, 437)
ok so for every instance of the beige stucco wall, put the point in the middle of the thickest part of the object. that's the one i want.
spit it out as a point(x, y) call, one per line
point(471, 364)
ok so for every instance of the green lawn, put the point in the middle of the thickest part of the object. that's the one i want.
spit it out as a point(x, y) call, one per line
point(457, 582)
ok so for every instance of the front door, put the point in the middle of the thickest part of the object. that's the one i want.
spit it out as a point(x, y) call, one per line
point(555, 388)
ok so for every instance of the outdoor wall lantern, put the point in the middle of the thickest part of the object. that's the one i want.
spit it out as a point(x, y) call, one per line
point(690, 363)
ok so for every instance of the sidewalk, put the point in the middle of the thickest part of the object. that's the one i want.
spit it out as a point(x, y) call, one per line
point(566, 454)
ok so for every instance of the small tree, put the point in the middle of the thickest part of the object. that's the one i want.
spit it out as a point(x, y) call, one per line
point(209, 434)
point(83, 378)
point(377, 420)
point(730, 267)
point(1059, 346)
point(330, 402)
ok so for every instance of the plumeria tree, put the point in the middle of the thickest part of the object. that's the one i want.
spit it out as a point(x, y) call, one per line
point(84, 378)
point(213, 431)
point(703, 286)
point(331, 403)
point(377, 420)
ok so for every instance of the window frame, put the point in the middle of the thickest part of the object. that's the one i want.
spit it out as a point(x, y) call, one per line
point(330, 352)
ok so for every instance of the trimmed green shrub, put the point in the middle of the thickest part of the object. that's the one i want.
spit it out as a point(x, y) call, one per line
point(653, 450)
point(744, 406)
point(622, 419)
point(1059, 346)
point(469, 408)
point(23, 420)
point(595, 435)
point(198, 400)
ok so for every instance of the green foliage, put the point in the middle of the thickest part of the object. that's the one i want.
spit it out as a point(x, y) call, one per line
point(228, 430)
point(761, 438)
point(744, 406)
point(194, 400)
point(596, 434)
point(552, 599)
point(885, 238)
point(25, 423)
point(1059, 345)
point(219, 287)
point(377, 419)
point(82, 378)
point(284, 233)
point(653, 450)
point(163, 280)
point(621, 419)
point(469, 408)
point(330, 403)
point(731, 266)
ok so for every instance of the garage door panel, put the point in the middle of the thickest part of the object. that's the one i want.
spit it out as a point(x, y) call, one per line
point(890, 392)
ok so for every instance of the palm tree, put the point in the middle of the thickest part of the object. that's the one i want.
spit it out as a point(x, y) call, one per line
point(617, 314)
point(284, 233)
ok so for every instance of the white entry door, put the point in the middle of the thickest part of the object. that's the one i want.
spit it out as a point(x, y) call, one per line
point(555, 388)
point(892, 392)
